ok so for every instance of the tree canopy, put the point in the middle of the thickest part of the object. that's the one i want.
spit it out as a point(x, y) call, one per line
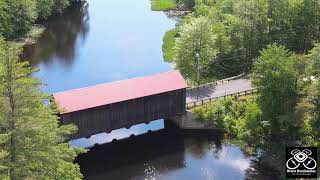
point(195, 47)
point(18, 16)
point(244, 27)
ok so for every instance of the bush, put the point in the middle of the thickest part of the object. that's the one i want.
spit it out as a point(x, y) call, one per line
point(240, 118)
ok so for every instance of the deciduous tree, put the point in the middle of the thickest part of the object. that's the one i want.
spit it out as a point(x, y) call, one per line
point(195, 48)
point(275, 76)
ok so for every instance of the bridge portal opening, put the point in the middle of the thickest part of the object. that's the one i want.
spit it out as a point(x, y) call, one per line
point(119, 134)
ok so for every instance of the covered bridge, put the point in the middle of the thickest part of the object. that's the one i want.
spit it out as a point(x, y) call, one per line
point(110, 106)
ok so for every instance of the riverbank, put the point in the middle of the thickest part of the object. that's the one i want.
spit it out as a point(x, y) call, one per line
point(168, 45)
point(30, 25)
point(177, 13)
point(31, 36)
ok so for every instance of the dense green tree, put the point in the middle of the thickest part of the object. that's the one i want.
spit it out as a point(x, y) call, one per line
point(275, 76)
point(32, 144)
point(247, 26)
point(314, 112)
point(308, 109)
point(6, 28)
point(195, 48)
point(44, 8)
point(16, 17)
point(314, 61)
point(60, 5)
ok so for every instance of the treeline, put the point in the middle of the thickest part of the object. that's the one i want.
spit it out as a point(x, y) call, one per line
point(18, 16)
point(240, 29)
point(284, 113)
point(276, 44)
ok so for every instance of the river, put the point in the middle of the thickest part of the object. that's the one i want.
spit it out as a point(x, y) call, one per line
point(102, 41)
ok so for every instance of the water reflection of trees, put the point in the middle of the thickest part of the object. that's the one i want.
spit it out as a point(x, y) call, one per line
point(263, 167)
point(59, 40)
point(199, 147)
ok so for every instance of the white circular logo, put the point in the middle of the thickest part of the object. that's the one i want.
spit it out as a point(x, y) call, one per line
point(299, 157)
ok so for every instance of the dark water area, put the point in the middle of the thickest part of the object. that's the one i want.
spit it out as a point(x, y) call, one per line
point(101, 41)
point(165, 154)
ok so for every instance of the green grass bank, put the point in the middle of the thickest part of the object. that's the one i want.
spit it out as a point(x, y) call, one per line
point(163, 5)
point(168, 45)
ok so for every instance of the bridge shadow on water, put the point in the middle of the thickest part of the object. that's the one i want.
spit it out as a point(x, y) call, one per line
point(170, 153)
point(144, 156)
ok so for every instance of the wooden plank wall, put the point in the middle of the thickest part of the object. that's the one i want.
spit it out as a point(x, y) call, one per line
point(127, 113)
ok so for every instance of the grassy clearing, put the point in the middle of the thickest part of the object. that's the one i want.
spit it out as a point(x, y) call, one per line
point(168, 45)
point(163, 5)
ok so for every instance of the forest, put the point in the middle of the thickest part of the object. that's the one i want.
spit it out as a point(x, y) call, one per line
point(231, 34)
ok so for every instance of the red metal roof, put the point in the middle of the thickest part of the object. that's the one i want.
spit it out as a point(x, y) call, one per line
point(103, 94)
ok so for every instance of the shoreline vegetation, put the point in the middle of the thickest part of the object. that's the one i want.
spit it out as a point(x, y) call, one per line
point(275, 42)
point(168, 45)
point(181, 10)
point(31, 36)
point(28, 26)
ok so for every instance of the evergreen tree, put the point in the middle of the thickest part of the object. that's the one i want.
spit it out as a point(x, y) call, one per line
point(32, 144)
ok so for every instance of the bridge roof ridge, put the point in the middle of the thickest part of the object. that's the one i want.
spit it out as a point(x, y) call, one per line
point(109, 83)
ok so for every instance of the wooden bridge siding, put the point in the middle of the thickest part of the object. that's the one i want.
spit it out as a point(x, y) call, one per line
point(127, 113)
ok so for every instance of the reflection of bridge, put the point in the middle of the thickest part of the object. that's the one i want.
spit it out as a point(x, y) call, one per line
point(111, 106)
point(163, 150)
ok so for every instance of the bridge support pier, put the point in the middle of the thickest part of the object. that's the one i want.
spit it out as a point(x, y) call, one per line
point(187, 121)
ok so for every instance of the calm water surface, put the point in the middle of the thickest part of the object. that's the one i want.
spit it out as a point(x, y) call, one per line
point(102, 41)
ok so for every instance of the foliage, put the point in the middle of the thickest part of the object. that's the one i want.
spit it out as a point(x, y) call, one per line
point(33, 145)
point(244, 27)
point(187, 4)
point(308, 109)
point(44, 8)
point(18, 16)
point(314, 58)
point(275, 77)
point(60, 5)
point(230, 114)
point(196, 38)
point(163, 5)
point(286, 109)
point(168, 45)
